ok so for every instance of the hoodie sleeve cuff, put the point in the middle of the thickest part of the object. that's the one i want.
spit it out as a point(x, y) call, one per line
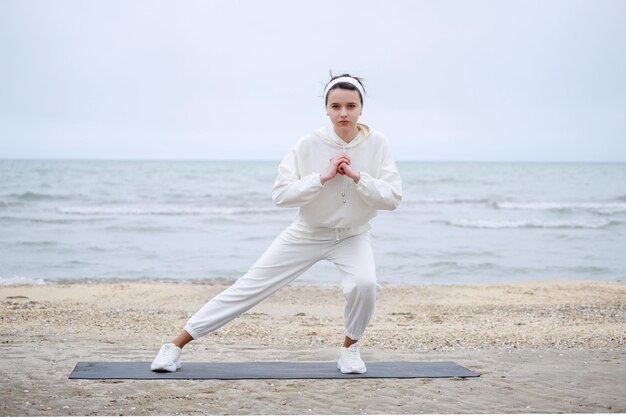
point(363, 178)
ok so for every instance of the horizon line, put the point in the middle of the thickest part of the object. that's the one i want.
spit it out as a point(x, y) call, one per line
point(279, 159)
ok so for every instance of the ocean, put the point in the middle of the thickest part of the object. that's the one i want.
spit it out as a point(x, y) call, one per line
point(459, 222)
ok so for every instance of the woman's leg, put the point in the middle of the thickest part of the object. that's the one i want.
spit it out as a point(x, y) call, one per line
point(355, 259)
point(285, 260)
point(347, 342)
point(182, 339)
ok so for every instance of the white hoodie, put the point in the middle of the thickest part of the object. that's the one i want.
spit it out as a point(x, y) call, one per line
point(322, 206)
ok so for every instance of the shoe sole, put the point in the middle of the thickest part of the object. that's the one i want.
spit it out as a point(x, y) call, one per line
point(176, 367)
point(350, 371)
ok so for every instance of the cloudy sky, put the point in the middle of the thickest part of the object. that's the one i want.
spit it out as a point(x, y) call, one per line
point(446, 80)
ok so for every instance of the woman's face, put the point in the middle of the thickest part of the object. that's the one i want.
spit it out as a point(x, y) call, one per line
point(344, 108)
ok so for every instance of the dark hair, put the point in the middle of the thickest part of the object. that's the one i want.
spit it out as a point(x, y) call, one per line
point(344, 86)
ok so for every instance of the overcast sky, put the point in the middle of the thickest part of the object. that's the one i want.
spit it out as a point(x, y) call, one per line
point(446, 80)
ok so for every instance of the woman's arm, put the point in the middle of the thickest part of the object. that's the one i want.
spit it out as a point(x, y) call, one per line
point(292, 190)
point(384, 192)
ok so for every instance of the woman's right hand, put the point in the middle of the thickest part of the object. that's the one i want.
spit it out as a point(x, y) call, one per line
point(333, 167)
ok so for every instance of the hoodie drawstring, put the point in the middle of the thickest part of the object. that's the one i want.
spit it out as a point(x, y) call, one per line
point(340, 230)
point(344, 183)
point(344, 189)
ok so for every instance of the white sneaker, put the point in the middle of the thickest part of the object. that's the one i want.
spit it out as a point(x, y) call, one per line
point(168, 359)
point(350, 361)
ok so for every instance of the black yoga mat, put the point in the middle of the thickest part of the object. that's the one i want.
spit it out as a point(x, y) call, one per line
point(267, 370)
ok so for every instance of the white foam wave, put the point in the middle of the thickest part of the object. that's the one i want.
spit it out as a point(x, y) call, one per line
point(448, 201)
point(600, 207)
point(163, 211)
point(48, 221)
point(19, 280)
point(593, 207)
point(530, 224)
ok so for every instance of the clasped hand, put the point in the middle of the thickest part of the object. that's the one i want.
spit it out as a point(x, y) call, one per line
point(340, 164)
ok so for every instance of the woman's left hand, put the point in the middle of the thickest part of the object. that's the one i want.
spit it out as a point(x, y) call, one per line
point(344, 169)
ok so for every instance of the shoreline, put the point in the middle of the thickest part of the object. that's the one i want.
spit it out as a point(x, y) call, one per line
point(19, 281)
point(540, 346)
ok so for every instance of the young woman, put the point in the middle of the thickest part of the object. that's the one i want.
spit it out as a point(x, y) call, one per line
point(338, 176)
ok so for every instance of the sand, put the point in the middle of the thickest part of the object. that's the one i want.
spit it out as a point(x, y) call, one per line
point(541, 347)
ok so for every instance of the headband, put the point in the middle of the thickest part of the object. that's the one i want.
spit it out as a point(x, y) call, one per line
point(348, 80)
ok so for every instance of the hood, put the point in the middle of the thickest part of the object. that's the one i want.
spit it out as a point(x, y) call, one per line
point(328, 135)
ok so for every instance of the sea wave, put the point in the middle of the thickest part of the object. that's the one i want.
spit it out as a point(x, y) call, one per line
point(166, 211)
point(37, 243)
point(447, 201)
point(13, 219)
point(452, 268)
point(35, 196)
point(604, 208)
point(451, 180)
point(596, 207)
point(589, 270)
point(4, 203)
point(19, 280)
point(530, 224)
point(22, 280)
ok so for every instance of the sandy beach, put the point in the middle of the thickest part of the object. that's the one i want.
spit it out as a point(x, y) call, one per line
point(540, 347)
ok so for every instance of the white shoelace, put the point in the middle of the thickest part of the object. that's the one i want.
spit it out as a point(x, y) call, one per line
point(353, 353)
point(166, 351)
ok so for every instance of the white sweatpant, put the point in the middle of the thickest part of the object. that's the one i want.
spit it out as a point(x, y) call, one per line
point(285, 260)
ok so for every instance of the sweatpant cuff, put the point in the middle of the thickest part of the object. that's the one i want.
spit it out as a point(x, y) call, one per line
point(191, 332)
point(352, 335)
